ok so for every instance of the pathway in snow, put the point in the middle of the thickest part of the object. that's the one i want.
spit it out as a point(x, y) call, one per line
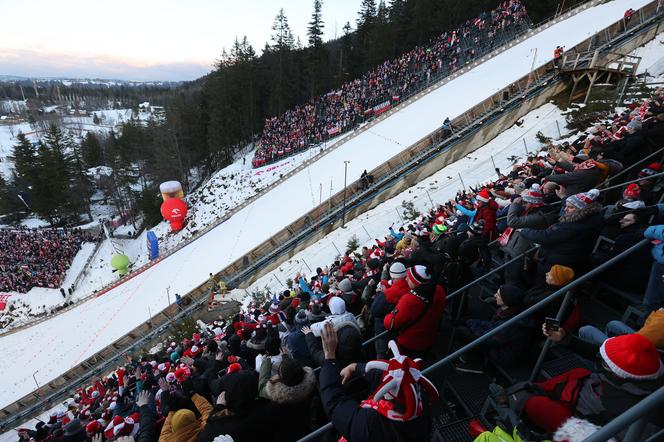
point(52, 347)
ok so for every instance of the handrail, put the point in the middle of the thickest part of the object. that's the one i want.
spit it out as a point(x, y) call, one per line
point(641, 409)
point(463, 289)
point(507, 324)
point(531, 89)
point(642, 160)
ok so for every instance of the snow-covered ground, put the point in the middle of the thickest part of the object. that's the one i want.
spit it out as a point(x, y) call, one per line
point(54, 346)
point(652, 60)
point(440, 187)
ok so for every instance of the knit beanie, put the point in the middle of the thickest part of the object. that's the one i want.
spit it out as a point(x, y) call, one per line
point(418, 275)
point(632, 192)
point(632, 357)
point(652, 169)
point(345, 285)
point(483, 196)
point(439, 229)
point(584, 199)
point(561, 275)
point(653, 329)
point(397, 271)
point(182, 419)
point(533, 195)
point(511, 295)
point(241, 390)
point(477, 227)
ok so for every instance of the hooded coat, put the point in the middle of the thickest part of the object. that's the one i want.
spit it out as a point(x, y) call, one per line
point(571, 240)
point(416, 320)
point(288, 401)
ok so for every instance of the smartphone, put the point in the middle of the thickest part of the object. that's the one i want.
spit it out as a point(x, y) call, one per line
point(552, 324)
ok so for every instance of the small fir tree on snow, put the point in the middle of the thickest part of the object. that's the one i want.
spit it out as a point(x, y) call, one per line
point(409, 210)
point(353, 243)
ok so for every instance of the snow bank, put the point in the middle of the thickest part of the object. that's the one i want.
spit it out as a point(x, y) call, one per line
point(52, 347)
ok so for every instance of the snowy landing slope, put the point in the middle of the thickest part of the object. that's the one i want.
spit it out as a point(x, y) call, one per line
point(52, 347)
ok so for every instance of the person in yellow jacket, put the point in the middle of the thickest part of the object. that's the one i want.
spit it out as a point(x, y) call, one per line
point(182, 425)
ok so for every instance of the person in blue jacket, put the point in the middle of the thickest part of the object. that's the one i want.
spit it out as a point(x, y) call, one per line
point(385, 415)
point(653, 298)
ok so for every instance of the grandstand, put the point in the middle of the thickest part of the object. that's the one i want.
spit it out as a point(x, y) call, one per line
point(470, 274)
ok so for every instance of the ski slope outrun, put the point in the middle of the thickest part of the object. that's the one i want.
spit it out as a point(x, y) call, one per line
point(52, 347)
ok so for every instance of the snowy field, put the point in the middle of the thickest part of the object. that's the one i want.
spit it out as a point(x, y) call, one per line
point(441, 186)
point(54, 346)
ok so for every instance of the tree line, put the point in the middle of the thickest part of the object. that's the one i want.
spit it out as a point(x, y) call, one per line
point(208, 120)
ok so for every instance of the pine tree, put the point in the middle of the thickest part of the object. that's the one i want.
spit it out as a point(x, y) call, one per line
point(9, 202)
point(91, 150)
point(24, 158)
point(316, 53)
point(315, 28)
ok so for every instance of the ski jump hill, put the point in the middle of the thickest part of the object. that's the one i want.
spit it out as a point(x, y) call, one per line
point(43, 353)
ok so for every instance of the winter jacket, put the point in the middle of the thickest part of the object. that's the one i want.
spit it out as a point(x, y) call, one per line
point(147, 431)
point(488, 213)
point(254, 424)
point(603, 397)
point(630, 274)
point(571, 240)
point(396, 235)
point(189, 433)
point(578, 181)
point(507, 345)
point(296, 343)
point(395, 291)
point(466, 212)
point(288, 401)
point(359, 424)
point(537, 218)
point(656, 233)
point(415, 320)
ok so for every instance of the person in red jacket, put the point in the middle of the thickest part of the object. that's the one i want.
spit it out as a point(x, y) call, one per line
point(486, 210)
point(416, 317)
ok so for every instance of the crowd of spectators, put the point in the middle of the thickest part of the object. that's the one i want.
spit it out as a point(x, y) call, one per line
point(341, 110)
point(281, 368)
point(37, 258)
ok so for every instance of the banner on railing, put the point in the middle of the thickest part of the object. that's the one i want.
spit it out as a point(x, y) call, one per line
point(333, 130)
point(271, 168)
point(4, 299)
point(382, 107)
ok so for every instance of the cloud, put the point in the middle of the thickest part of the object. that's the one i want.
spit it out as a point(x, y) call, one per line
point(30, 63)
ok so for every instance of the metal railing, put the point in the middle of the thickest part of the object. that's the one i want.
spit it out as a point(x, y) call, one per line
point(509, 323)
point(632, 418)
point(473, 125)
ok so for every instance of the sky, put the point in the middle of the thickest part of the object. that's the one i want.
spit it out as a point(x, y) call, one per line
point(143, 39)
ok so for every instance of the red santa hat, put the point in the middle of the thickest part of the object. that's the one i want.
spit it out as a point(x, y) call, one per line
point(398, 397)
point(164, 367)
point(93, 427)
point(182, 373)
point(483, 196)
point(632, 357)
point(120, 426)
point(652, 169)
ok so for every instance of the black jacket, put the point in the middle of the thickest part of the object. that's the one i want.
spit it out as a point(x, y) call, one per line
point(363, 424)
point(571, 240)
point(255, 424)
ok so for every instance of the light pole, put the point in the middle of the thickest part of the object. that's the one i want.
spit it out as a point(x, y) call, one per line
point(343, 219)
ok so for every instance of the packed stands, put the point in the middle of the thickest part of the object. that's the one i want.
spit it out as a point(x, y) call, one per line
point(534, 259)
point(37, 258)
point(339, 111)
